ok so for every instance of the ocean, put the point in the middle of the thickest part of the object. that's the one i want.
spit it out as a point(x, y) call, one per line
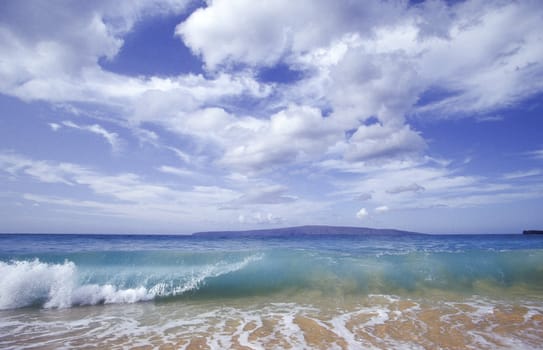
point(292, 292)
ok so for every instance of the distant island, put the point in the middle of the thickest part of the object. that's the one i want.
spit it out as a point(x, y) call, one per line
point(317, 230)
point(532, 232)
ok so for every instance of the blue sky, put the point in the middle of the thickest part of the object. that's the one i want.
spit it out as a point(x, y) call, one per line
point(180, 116)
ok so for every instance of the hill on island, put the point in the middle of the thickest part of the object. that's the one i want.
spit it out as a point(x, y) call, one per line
point(310, 230)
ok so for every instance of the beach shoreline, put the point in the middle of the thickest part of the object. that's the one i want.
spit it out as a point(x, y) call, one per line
point(374, 322)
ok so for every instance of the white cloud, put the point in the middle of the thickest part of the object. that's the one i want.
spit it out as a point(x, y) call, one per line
point(364, 60)
point(164, 100)
point(489, 65)
point(176, 171)
point(522, 174)
point(346, 121)
point(111, 137)
point(183, 156)
point(362, 213)
point(54, 56)
point(40, 170)
point(400, 184)
point(54, 126)
point(341, 71)
point(385, 48)
point(123, 187)
point(132, 196)
point(381, 209)
point(537, 154)
point(377, 141)
point(259, 218)
point(216, 33)
point(298, 133)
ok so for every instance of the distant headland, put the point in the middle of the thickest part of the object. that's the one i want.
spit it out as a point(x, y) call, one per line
point(532, 232)
point(317, 230)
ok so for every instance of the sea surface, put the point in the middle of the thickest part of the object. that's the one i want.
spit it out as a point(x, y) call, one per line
point(302, 292)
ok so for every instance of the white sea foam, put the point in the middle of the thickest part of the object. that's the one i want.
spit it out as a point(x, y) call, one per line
point(93, 294)
point(258, 326)
point(23, 283)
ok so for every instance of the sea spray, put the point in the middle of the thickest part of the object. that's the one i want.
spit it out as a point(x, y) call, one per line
point(26, 283)
point(51, 285)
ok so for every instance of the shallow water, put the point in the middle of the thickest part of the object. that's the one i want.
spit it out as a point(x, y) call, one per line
point(372, 322)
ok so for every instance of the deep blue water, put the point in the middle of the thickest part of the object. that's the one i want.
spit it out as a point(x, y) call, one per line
point(68, 270)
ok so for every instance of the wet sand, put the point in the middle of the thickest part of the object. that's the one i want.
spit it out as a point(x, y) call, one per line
point(374, 322)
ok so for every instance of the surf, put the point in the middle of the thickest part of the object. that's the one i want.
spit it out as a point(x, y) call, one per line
point(61, 285)
point(91, 278)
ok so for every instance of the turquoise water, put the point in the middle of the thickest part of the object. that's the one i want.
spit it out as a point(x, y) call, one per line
point(297, 292)
point(62, 271)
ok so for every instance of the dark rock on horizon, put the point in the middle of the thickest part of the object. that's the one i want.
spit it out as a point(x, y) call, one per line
point(315, 230)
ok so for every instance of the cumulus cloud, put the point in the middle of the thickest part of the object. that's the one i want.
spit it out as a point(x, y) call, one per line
point(54, 57)
point(367, 67)
point(393, 44)
point(377, 141)
point(219, 37)
point(298, 133)
point(355, 83)
point(363, 60)
point(362, 213)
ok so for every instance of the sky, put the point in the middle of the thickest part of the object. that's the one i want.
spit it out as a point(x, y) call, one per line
point(178, 116)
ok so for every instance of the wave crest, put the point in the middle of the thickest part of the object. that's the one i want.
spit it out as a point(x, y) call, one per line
point(36, 283)
point(25, 283)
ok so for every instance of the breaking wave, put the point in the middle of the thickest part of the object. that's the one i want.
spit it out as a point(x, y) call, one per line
point(58, 285)
point(61, 281)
